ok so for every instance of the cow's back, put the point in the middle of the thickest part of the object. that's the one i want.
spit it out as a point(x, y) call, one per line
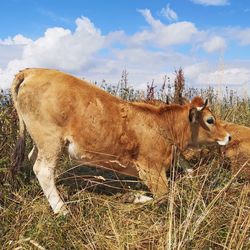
point(58, 86)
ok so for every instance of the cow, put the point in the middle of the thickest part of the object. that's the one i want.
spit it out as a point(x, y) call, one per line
point(238, 150)
point(60, 111)
point(236, 153)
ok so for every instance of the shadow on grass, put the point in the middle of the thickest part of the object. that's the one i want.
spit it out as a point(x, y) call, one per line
point(99, 181)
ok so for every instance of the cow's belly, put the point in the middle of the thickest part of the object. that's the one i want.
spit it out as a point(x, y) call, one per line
point(118, 163)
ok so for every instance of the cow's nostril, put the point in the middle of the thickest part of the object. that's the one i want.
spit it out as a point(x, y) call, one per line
point(229, 138)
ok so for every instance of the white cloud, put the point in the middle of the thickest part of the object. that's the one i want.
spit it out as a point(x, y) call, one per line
point(149, 18)
point(63, 49)
point(9, 53)
point(229, 76)
point(16, 40)
point(163, 35)
point(115, 37)
point(169, 13)
point(193, 70)
point(240, 34)
point(58, 48)
point(215, 43)
point(142, 65)
point(211, 2)
point(236, 76)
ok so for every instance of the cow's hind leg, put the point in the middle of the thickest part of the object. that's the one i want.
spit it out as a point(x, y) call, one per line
point(44, 169)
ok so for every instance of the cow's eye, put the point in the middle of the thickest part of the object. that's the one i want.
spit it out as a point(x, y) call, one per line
point(210, 120)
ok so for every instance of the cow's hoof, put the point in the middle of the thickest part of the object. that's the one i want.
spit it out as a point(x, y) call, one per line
point(135, 198)
point(141, 198)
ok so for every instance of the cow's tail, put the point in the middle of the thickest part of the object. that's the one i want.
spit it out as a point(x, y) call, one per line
point(18, 155)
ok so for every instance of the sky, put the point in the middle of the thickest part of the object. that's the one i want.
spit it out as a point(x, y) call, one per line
point(97, 40)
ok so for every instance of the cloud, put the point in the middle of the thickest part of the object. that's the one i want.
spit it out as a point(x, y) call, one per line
point(204, 74)
point(16, 40)
point(9, 53)
point(240, 34)
point(244, 36)
point(162, 35)
point(234, 77)
point(63, 49)
point(149, 18)
point(193, 70)
point(115, 37)
point(215, 43)
point(142, 66)
point(58, 48)
point(169, 13)
point(211, 2)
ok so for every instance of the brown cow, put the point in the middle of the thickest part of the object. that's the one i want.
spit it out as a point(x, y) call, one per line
point(59, 110)
point(238, 150)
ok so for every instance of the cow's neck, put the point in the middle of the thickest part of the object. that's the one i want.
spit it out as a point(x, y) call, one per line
point(172, 121)
point(176, 124)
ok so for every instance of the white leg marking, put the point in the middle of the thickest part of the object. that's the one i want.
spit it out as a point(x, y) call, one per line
point(72, 150)
point(44, 171)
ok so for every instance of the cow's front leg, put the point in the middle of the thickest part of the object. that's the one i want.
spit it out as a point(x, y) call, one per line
point(154, 177)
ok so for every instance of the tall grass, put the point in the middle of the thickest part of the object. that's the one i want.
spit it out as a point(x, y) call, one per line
point(209, 209)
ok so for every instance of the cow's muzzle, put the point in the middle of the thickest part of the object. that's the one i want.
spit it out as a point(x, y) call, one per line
point(225, 141)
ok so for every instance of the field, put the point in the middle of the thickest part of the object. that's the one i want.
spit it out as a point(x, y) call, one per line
point(207, 210)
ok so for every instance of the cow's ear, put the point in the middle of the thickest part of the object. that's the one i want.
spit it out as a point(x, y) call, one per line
point(203, 106)
point(193, 115)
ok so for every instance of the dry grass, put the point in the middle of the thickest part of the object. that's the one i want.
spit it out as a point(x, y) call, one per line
point(202, 211)
point(207, 210)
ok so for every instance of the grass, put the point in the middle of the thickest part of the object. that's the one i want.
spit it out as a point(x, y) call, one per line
point(209, 209)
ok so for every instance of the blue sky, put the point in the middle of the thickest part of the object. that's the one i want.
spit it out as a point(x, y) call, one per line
point(209, 39)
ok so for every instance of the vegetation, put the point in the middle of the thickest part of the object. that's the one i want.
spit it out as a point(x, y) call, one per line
point(209, 209)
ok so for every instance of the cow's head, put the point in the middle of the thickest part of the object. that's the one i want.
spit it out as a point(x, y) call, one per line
point(204, 126)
